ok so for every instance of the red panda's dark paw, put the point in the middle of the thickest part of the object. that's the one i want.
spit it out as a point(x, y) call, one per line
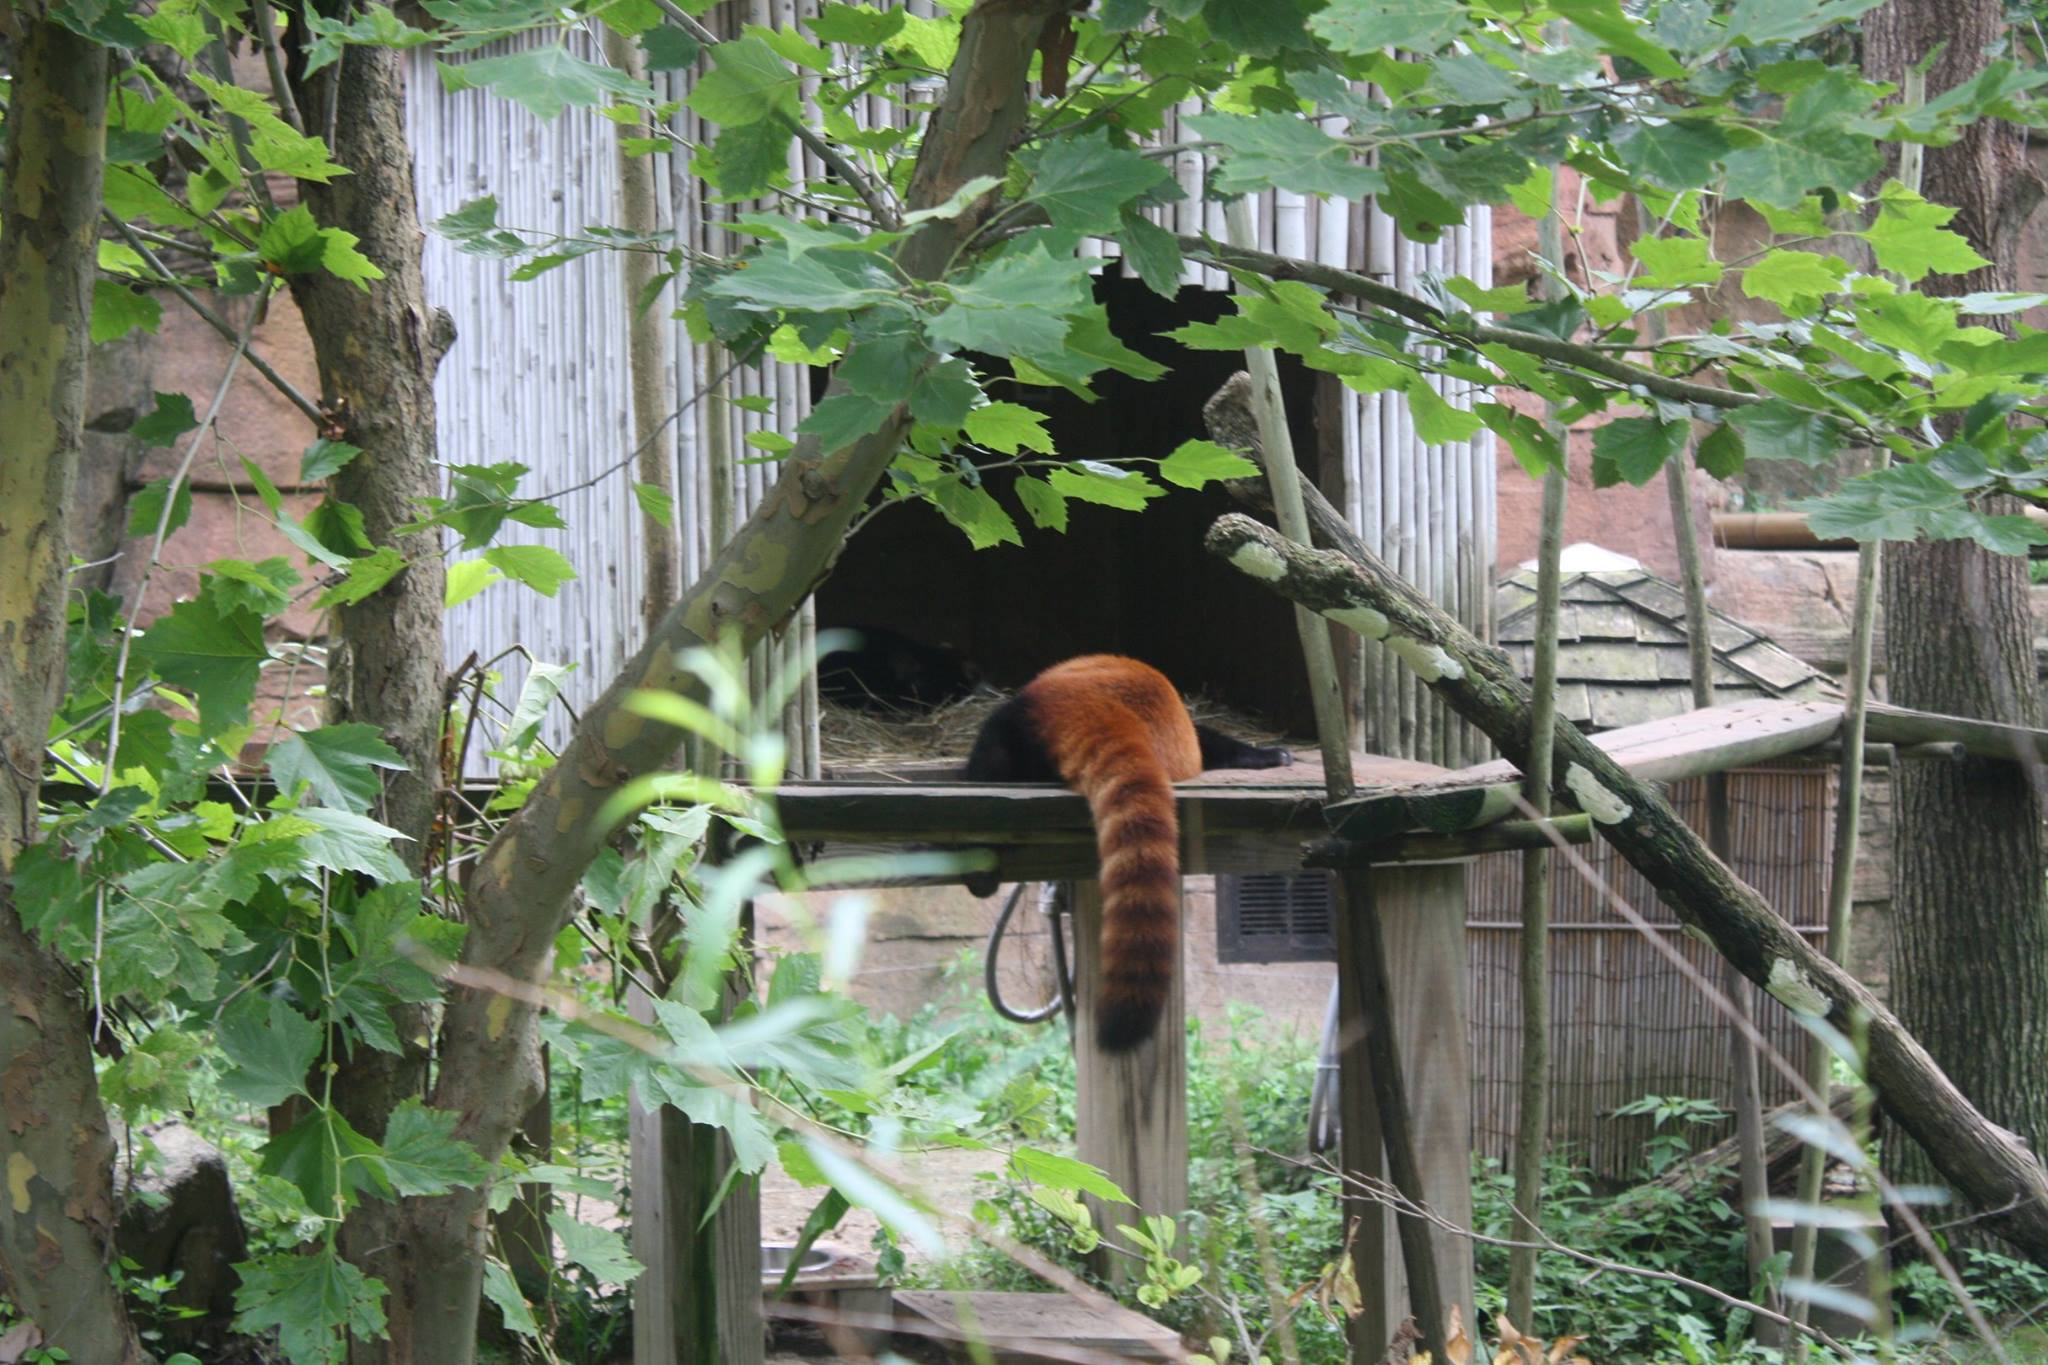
point(982, 884)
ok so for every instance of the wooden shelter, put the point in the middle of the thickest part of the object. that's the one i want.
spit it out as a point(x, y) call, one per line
point(516, 387)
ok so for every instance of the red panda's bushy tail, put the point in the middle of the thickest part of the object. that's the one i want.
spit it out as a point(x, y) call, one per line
point(1113, 762)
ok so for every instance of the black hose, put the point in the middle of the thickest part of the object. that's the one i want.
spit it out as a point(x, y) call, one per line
point(1063, 982)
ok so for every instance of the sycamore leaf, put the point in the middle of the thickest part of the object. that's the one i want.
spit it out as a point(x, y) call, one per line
point(215, 655)
point(542, 686)
point(269, 1051)
point(171, 418)
point(600, 1251)
point(1047, 506)
point(1639, 446)
point(1785, 276)
point(316, 1301)
point(1908, 238)
point(1105, 485)
point(327, 1159)
point(1366, 26)
point(363, 577)
point(1082, 183)
point(1195, 463)
point(499, 1286)
point(146, 508)
point(118, 309)
point(422, 1155)
point(1776, 430)
point(544, 80)
point(975, 511)
point(1675, 262)
point(1065, 1173)
point(467, 578)
point(1008, 428)
point(538, 567)
point(747, 84)
point(343, 841)
point(1285, 152)
point(339, 762)
point(325, 458)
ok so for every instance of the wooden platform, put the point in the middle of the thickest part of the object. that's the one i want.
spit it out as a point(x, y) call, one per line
point(1038, 1327)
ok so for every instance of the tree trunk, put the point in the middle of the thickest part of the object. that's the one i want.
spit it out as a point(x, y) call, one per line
point(519, 896)
point(377, 350)
point(57, 1219)
point(1969, 906)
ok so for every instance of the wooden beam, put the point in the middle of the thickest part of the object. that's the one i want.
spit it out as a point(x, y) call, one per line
point(1506, 836)
point(1713, 739)
point(1130, 1108)
point(1979, 738)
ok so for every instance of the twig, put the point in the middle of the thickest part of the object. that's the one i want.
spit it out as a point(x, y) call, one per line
point(215, 321)
point(273, 62)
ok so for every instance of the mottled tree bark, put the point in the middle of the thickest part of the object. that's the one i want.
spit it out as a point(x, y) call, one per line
point(56, 1154)
point(1969, 902)
point(377, 350)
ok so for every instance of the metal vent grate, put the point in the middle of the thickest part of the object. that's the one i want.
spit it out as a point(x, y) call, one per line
point(1274, 917)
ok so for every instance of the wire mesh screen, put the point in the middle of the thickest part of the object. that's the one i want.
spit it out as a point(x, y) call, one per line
point(1624, 1022)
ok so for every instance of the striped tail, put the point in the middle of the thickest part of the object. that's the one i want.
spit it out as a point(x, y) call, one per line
point(1137, 839)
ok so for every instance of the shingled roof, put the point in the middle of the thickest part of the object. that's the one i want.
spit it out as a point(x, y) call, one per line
point(1621, 652)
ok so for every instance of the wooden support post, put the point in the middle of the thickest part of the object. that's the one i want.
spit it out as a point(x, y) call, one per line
point(1422, 927)
point(1131, 1108)
point(698, 1302)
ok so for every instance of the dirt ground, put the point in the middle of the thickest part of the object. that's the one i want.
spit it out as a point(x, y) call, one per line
point(947, 1178)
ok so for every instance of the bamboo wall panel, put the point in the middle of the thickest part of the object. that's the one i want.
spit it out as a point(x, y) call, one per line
point(538, 375)
point(1624, 1022)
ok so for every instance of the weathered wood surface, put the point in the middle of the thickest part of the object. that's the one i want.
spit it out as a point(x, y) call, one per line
point(1713, 739)
point(1010, 1322)
point(1130, 1108)
point(1980, 738)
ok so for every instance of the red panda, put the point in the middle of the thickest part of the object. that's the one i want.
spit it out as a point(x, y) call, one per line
point(1117, 732)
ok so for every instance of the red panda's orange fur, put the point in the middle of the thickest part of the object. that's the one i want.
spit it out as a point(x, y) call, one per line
point(1118, 733)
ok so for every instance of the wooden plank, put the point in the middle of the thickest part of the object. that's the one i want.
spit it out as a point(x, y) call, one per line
point(1422, 921)
point(1712, 739)
point(1016, 1323)
point(698, 1302)
point(1982, 738)
point(1130, 1109)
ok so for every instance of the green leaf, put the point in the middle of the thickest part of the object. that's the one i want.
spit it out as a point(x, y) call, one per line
point(1008, 428)
point(1776, 430)
point(844, 418)
point(1678, 155)
point(263, 588)
point(1047, 507)
point(1195, 463)
point(1153, 251)
point(655, 502)
point(1284, 151)
point(292, 242)
point(747, 159)
point(215, 655)
point(668, 49)
point(600, 1251)
point(364, 577)
point(1105, 485)
point(1065, 1173)
point(118, 309)
point(1620, 34)
point(422, 1154)
point(314, 1301)
point(538, 567)
point(269, 1051)
point(163, 425)
point(1437, 421)
point(1638, 447)
point(1722, 452)
point(325, 458)
point(1083, 183)
point(329, 1161)
point(944, 394)
point(542, 686)
point(1784, 277)
point(339, 762)
point(976, 512)
point(467, 578)
point(856, 25)
point(545, 80)
point(499, 1286)
point(1909, 240)
point(343, 841)
point(1902, 502)
point(1360, 27)
point(1534, 445)
point(1507, 299)
point(1675, 262)
point(747, 84)
point(146, 508)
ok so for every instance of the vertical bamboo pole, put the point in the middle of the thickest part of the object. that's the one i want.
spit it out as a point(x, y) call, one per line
point(1360, 948)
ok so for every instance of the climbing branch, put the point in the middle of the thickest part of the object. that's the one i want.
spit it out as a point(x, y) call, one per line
point(1588, 358)
point(1982, 1161)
